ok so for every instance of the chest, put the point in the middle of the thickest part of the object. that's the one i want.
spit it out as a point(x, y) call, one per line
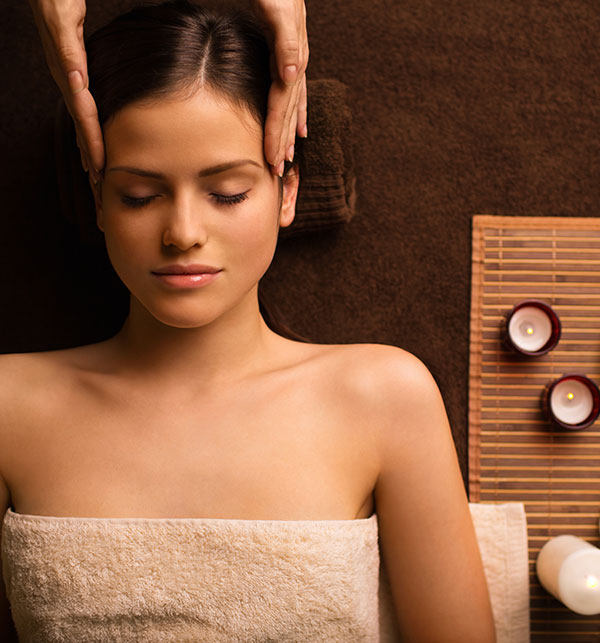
point(255, 456)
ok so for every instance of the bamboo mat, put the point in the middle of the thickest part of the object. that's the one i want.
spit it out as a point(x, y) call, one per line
point(514, 453)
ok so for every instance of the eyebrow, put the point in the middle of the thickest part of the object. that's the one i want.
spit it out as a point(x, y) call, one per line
point(209, 171)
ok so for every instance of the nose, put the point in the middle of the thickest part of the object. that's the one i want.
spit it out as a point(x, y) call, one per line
point(185, 226)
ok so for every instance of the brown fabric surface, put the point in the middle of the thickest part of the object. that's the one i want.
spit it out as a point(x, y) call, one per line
point(458, 108)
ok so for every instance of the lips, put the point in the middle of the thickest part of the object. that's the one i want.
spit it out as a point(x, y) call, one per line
point(191, 269)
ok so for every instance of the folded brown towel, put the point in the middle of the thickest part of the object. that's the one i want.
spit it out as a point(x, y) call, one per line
point(327, 192)
point(327, 185)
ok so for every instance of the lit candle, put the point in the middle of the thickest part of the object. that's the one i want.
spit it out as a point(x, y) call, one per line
point(533, 327)
point(569, 568)
point(573, 401)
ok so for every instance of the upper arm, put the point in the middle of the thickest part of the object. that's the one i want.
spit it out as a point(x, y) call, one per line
point(7, 631)
point(7, 382)
point(427, 538)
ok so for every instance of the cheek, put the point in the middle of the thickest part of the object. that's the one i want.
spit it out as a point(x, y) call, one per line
point(127, 247)
point(254, 235)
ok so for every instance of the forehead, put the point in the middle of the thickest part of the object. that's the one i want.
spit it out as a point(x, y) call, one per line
point(182, 130)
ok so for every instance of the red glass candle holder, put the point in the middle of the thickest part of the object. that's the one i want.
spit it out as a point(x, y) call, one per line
point(532, 328)
point(572, 402)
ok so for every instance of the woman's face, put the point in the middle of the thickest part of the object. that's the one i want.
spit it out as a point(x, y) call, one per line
point(186, 182)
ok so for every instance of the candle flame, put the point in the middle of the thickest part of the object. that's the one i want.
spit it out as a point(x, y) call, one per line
point(570, 396)
point(591, 582)
point(529, 330)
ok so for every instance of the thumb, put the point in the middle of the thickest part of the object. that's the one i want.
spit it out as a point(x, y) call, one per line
point(72, 59)
point(287, 51)
point(76, 83)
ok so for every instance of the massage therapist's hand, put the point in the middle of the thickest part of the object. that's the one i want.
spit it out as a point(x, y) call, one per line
point(286, 23)
point(60, 24)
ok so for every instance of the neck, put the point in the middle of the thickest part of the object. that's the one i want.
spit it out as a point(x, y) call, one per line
point(231, 347)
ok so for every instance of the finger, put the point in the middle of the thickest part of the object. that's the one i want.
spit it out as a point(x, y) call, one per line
point(290, 138)
point(82, 152)
point(285, 94)
point(62, 39)
point(85, 114)
point(284, 141)
point(72, 60)
point(287, 137)
point(286, 24)
point(304, 49)
point(96, 186)
point(302, 120)
point(278, 100)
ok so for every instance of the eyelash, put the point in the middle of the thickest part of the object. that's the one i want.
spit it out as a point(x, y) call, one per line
point(132, 202)
point(230, 199)
point(221, 199)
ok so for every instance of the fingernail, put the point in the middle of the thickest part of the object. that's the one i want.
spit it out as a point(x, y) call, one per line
point(304, 132)
point(289, 73)
point(75, 81)
point(290, 153)
point(280, 169)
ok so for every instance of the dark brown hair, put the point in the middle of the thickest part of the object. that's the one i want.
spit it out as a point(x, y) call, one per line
point(179, 46)
point(153, 50)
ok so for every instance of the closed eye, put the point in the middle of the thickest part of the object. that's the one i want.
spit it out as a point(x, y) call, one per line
point(136, 202)
point(221, 199)
point(229, 199)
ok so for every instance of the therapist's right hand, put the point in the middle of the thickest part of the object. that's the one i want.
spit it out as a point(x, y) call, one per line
point(60, 24)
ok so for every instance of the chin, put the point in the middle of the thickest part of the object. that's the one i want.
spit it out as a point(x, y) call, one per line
point(178, 315)
point(181, 320)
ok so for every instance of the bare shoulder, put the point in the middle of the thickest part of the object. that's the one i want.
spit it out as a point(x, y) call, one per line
point(22, 377)
point(381, 363)
point(391, 400)
point(21, 371)
point(19, 374)
point(379, 376)
point(30, 385)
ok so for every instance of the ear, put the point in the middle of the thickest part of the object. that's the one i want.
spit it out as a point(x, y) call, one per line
point(291, 181)
point(97, 192)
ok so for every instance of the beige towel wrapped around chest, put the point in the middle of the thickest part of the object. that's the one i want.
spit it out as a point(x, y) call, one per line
point(106, 579)
point(97, 579)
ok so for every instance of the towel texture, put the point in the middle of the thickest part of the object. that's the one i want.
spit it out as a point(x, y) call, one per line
point(90, 579)
point(327, 194)
point(96, 579)
point(502, 538)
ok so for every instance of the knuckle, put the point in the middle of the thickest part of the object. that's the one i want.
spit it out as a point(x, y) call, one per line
point(288, 46)
point(67, 52)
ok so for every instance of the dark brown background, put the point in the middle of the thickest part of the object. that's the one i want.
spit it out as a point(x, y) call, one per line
point(461, 107)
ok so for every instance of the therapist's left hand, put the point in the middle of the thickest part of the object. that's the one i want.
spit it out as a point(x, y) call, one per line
point(286, 115)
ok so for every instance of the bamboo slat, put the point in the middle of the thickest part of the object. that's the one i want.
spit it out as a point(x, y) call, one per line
point(514, 452)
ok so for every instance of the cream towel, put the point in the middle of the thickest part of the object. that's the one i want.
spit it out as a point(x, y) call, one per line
point(502, 537)
point(94, 579)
